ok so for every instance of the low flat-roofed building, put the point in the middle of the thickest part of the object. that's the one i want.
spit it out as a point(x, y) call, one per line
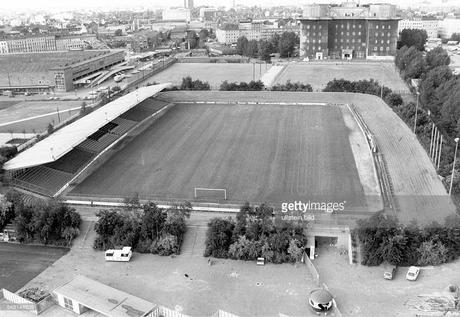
point(82, 294)
point(36, 72)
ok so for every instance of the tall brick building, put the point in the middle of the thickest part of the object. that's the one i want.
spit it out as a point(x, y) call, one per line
point(348, 31)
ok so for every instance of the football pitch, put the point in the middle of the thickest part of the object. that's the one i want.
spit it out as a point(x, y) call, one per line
point(258, 153)
point(319, 74)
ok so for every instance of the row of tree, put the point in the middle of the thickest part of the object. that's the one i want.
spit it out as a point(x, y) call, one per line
point(253, 234)
point(439, 93)
point(48, 222)
point(147, 228)
point(371, 87)
point(283, 44)
point(384, 239)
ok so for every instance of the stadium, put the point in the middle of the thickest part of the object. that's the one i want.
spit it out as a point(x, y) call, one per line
point(221, 149)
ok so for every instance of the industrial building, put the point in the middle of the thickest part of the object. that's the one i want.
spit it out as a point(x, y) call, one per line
point(349, 31)
point(53, 71)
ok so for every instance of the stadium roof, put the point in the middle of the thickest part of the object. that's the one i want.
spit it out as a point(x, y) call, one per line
point(64, 140)
point(104, 299)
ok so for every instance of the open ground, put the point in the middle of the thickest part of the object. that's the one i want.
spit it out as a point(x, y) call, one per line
point(214, 73)
point(34, 116)
point(21, 263)
point(241, 287)
point(271, 153)
point(318, 74)
point(186, 282)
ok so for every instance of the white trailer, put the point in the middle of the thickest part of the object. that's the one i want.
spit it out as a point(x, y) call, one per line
point(123, 255)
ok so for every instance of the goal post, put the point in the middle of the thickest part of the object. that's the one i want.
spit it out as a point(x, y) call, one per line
point(199, 190)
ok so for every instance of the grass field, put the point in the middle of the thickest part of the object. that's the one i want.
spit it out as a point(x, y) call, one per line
point(319, 74)
point(258, 153)
point(214, 73)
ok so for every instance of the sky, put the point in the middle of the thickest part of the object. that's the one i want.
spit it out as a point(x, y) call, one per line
point(60, 5)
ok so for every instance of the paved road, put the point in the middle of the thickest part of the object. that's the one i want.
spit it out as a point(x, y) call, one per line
point(21, 263)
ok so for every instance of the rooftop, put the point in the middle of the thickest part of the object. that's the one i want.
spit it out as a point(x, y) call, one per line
point(104, 299)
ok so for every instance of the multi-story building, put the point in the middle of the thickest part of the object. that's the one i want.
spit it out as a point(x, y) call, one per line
point(449, 26)
point(30, 44)
point(348, 31)
point(208, 14)
point(49, 43)
point(188, 4)
point(177, 14)
point(229, 33)
point(430, 26)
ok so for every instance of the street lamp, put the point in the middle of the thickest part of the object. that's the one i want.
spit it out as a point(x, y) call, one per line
point(416, 110)
point(453, 166)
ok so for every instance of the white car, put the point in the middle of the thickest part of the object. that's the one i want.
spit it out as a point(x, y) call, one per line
point(412, 273)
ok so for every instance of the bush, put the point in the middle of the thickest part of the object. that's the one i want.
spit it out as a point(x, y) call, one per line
point(431, 253)
point(255, 234)
point(146, 228)
point(166, 245)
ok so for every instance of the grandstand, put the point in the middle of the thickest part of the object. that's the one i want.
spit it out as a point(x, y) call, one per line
point(52, 163)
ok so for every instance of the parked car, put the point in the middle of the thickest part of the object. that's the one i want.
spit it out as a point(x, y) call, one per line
point(412, 273)
point(390, 272)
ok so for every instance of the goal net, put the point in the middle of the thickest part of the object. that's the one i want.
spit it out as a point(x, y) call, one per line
point(210, 193)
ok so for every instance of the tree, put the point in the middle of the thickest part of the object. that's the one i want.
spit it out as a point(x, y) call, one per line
point(455, 37)
point(219, 237)
point(432, 253)
point(435, 78)
point(295, 250)
point(241, 45)
point(413, 37)
point(394, 100)
point(6, 211)
point(393, 249)
point(192, 39)
point(252, 49)
point(152, 221)
point(203, 37)
point(287, 43)
point(265, 50)
point(437, 57)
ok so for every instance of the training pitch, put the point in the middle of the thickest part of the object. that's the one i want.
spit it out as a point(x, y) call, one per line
point(213, 73)
point(319, 74)
point(258, 153)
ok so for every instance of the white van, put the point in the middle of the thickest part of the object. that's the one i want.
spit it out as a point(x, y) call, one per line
point(123, 255)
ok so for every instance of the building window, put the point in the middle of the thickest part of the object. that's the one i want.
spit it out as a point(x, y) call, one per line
point(377, 27)
point(376, 34)
point(375, 48)
point(68, 303)
point(381, 48)
point(388, 48)
point(359, 33)
point(389, 34)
